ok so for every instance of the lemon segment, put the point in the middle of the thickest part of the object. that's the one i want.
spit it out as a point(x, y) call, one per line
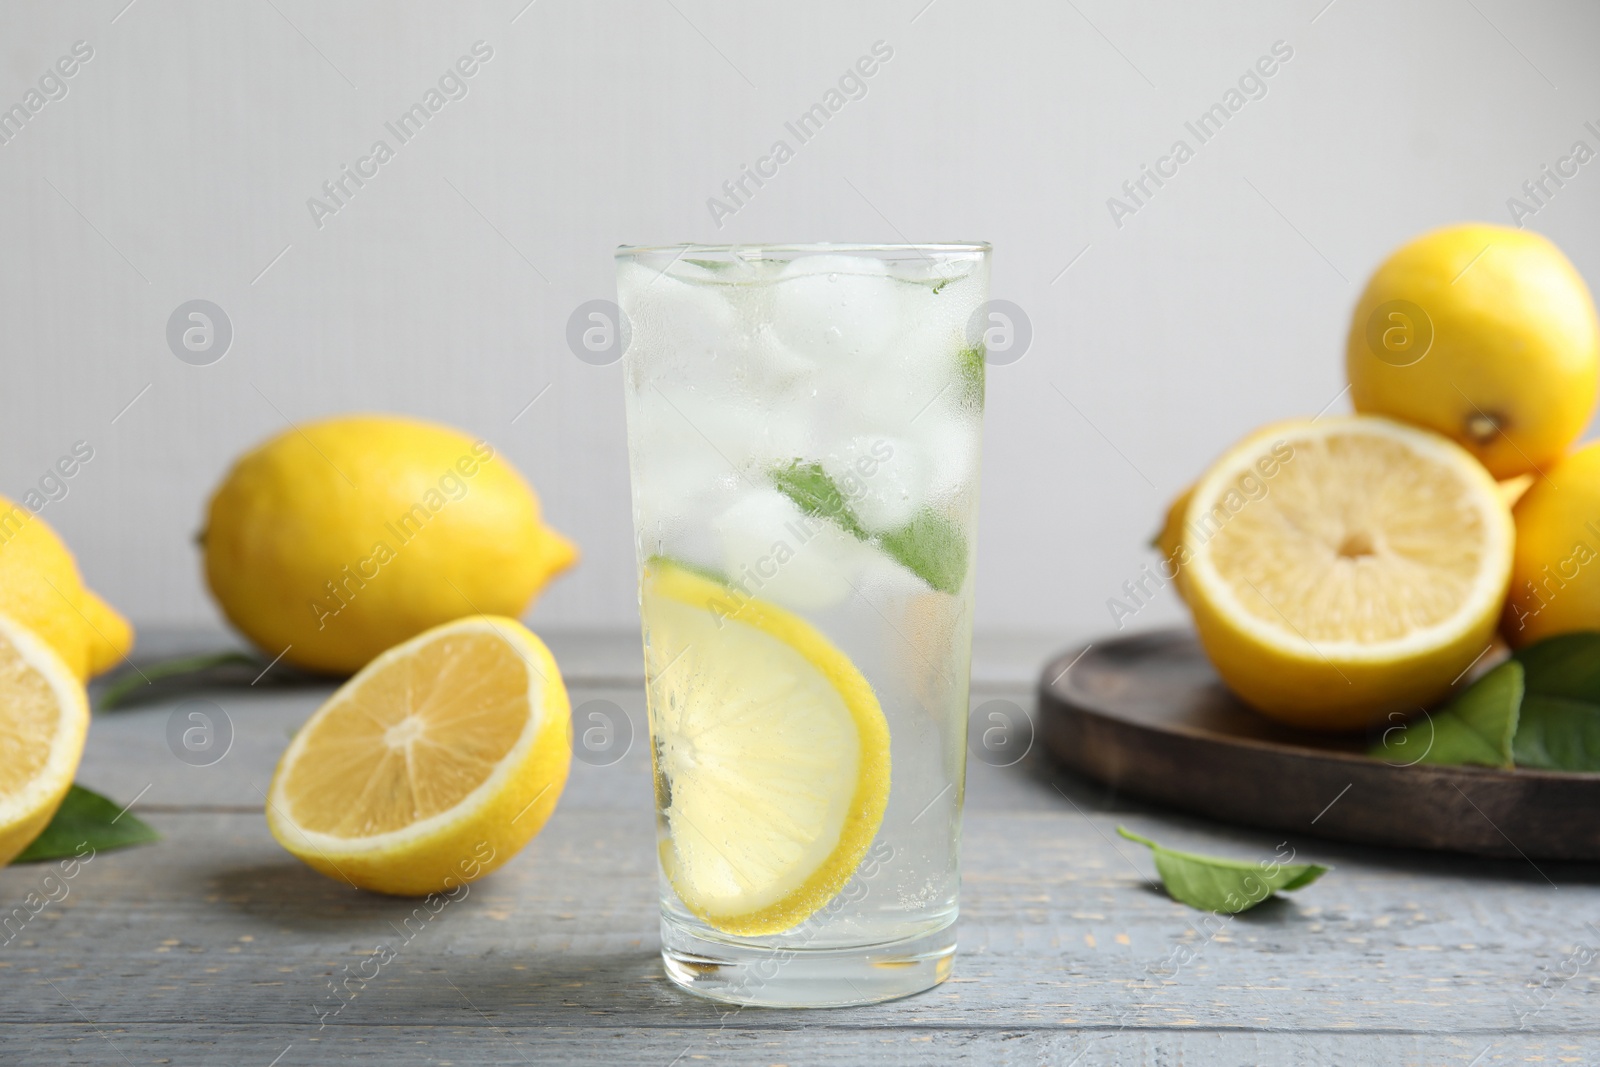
point(1344, 569)
point(771, 754)
point(431, 767)
point(44, 720)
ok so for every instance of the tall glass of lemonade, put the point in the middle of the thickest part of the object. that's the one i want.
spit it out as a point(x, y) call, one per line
point(803, 428)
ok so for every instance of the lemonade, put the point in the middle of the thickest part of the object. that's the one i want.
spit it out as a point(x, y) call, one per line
point(804, 428)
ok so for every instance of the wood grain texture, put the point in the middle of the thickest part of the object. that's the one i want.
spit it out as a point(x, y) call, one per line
point(206, 1045)
point(516, 1045)
point(215, 947)
point(1148, 714)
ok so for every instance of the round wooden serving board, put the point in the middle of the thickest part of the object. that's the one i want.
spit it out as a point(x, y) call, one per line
point(1148, 716)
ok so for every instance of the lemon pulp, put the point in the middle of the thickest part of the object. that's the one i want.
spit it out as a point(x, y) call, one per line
point(1361, 539)
point(1342, 570)
point(433, 765)
point(44, 720)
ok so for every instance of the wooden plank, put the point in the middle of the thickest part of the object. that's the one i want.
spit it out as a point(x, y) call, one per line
point(216, 946)
point(1060, 928)
point(1148, 714)
point(812, 1040)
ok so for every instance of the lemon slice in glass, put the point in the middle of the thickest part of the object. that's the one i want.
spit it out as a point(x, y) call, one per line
point(771, 754)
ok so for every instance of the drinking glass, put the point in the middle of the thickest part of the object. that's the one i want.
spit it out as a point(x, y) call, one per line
point(803, 434)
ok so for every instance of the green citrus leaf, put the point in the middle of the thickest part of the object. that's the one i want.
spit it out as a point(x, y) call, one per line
point(87, 818)
point(1476, 727)
point(1557, 734)
point(161, 680)
point(1211, 883)
point(1559, 728)
point(1566, 666)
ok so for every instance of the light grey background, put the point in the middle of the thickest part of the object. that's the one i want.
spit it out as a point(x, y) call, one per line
point(180, 163)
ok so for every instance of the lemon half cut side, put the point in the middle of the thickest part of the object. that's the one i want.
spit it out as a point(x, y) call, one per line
point(1344, 569)
point(44, 720)
point(771, 754)
point(432, 766)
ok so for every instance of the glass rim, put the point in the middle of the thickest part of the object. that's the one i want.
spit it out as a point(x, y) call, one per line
point(816, 248)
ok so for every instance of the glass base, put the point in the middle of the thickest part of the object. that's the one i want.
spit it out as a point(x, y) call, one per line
point(803, 977)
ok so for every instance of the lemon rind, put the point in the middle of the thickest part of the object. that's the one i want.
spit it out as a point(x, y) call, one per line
point(1486, 596)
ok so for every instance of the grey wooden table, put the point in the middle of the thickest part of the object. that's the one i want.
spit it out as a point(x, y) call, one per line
point(215, 947)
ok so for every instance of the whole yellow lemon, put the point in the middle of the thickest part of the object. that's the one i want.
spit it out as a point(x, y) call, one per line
point(1483, 333)
point(1555, 573)
point(338, 539)
point(1169, 539)
point(110, 635)
point(40, 587)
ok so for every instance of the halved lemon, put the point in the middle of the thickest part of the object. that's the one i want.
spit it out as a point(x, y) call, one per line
point(44, 720)
point(771, 754)
point(1343, 569)
point(432, 766)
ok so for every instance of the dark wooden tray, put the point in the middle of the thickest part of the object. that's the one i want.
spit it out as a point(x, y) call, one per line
point(1147, 715)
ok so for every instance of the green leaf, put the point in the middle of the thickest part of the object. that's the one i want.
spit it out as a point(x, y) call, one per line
point(87, 818)
point(1557, 734)
point(185, 672)
point(1229, 886)
point(1540, 708)
point(929, 546)
point(1566, 666)
point(1559, 728)
point(1476, 727)
point(973, 369)
point(816, 494)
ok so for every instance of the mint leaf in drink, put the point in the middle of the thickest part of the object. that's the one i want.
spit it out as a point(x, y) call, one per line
point(931, 547)
point(817, 494)
point(972, 365)
point(87, 818)
point(1476, 727)
point(1557, 734)
point(1211, 883)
